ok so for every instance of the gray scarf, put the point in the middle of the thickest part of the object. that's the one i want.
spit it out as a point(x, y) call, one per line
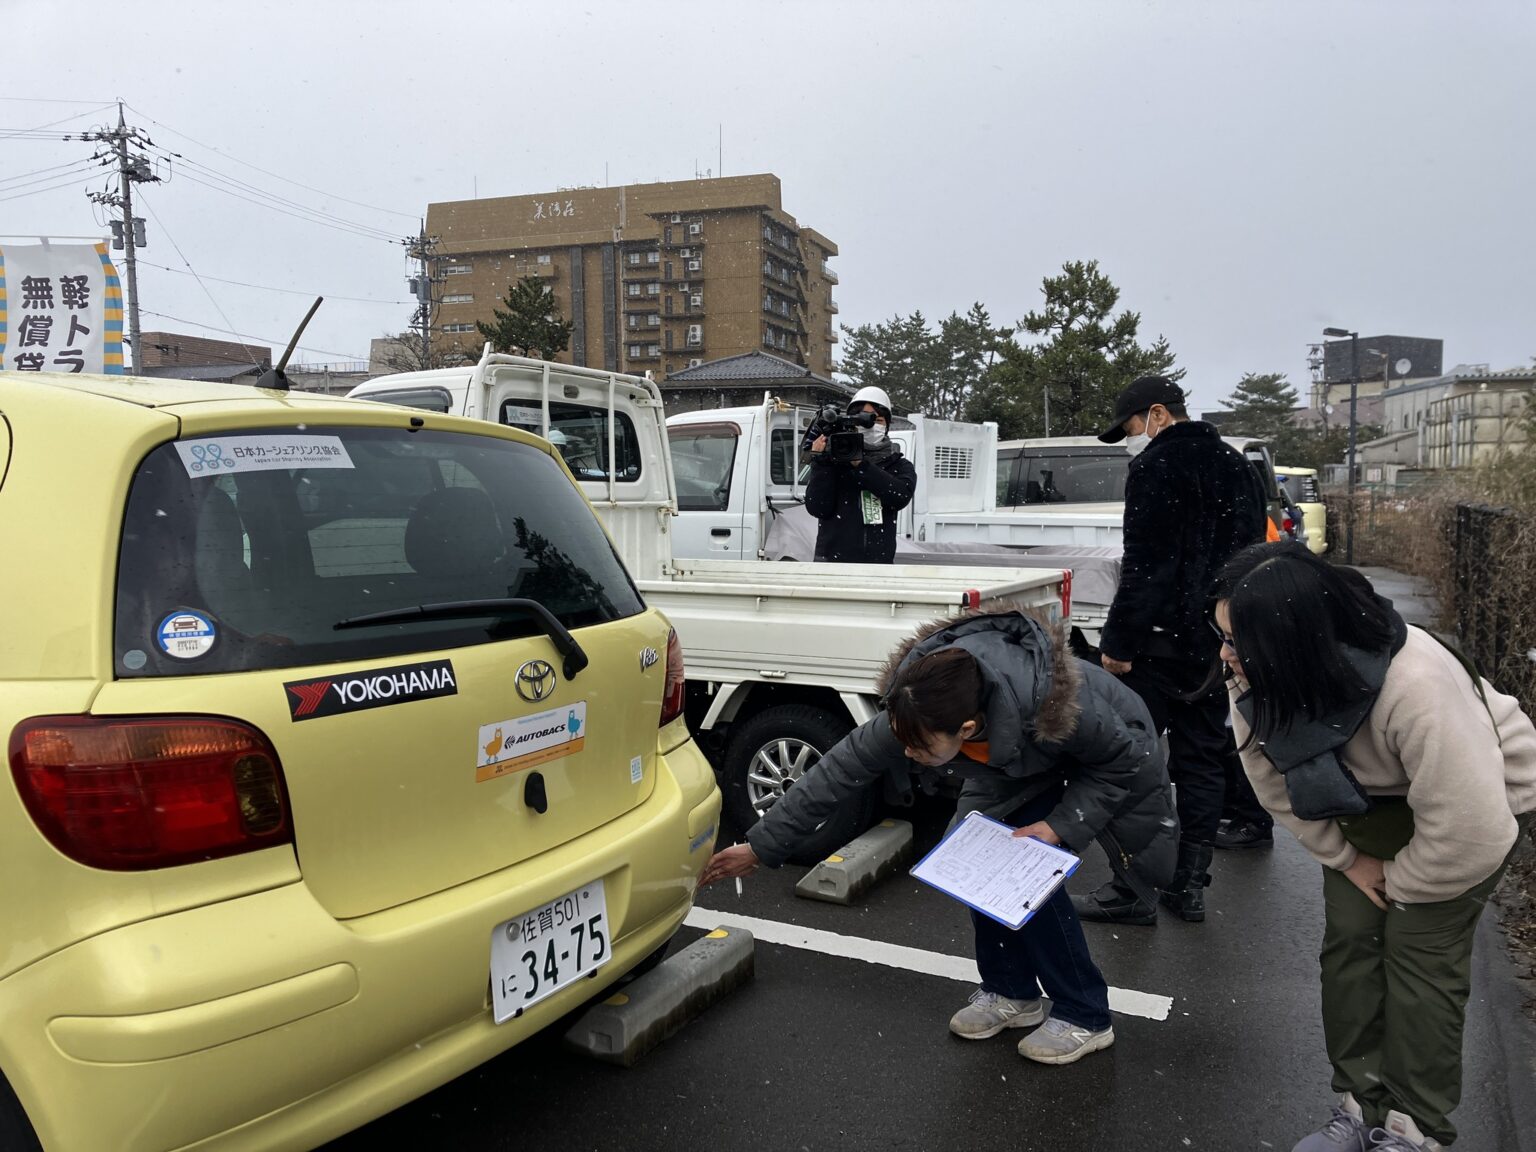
point(1305, 751)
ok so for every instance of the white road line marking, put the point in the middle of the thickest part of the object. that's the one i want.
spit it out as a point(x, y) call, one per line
point(1127, 1001)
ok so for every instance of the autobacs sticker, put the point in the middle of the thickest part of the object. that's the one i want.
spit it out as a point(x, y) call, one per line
point(524, 741)
point(375, 688)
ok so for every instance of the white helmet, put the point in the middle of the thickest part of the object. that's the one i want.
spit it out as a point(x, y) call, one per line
point(557, 438)
point(872, 395)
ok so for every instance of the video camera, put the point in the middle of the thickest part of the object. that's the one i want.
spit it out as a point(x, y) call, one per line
point(844, 433)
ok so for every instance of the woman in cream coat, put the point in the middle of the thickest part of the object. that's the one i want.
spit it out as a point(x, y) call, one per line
point(1409, 778)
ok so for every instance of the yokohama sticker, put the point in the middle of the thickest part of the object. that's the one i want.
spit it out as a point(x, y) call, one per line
point(375, 688)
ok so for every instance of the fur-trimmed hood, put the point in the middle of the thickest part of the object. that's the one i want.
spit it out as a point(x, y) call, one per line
point(1031, 682)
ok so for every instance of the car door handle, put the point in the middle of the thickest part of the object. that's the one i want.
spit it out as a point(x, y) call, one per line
point(719, 531)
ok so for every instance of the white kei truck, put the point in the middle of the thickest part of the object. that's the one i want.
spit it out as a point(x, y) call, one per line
point(781, 659)
point(741, 481)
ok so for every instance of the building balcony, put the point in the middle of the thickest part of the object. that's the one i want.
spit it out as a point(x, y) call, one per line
point(827, 273)
point(780, 242)
point(682, 238)
point(832, 306)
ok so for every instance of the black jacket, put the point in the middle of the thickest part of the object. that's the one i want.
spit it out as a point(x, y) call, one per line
point(1191, 501)
point(833, 496)
point(1049, 717)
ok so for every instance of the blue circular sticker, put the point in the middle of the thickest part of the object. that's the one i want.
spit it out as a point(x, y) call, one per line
point(186, 635)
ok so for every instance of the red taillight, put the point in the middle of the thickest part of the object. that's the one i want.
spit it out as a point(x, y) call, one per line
point(132, 793)
point(1066, 593)
point(1289, 525)
point(676, 687)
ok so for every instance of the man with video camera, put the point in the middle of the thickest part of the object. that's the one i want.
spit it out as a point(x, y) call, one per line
point(859, 481)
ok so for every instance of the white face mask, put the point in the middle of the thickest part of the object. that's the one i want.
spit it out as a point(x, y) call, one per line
point(1135, 444)
point(874, 437)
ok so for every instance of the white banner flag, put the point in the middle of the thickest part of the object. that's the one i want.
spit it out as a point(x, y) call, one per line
point(61, 309)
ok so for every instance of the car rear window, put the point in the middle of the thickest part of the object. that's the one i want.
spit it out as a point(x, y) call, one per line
point(580, 433)
point(1074, 479)
point(1301, 489)
point(231, 561)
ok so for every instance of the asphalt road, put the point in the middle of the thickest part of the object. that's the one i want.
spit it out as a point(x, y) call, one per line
point(827, 1052)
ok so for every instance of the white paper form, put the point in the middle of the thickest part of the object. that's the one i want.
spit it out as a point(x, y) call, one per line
point(981, 863)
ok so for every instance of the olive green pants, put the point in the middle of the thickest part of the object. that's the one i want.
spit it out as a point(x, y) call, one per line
point(1395, 987)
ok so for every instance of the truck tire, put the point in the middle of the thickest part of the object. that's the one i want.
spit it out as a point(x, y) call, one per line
point(768, 753)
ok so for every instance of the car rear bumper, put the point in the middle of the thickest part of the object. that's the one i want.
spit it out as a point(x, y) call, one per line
point(261, 1022)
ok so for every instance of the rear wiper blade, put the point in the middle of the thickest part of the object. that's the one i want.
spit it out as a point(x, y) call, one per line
point(574, 658)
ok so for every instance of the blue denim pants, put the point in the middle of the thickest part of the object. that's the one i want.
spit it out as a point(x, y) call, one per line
point(1048, 953)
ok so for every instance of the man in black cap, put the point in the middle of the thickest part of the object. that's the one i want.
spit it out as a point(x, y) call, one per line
point(1191, 501)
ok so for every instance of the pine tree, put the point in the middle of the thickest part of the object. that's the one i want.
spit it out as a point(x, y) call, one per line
point(1087, 355)
point(1261, 405)
point(531, 324)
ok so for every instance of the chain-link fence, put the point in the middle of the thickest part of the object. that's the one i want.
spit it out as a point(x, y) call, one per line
point(1493, 566)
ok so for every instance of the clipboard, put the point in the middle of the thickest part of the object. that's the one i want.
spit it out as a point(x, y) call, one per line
point(984, 866)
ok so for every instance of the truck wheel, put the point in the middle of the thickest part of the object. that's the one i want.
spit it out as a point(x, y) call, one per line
point(768, 753)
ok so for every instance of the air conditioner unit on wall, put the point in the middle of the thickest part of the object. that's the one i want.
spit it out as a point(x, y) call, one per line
point(695, 265)
point(696, 300)
point(695, 362)
point(677, 217)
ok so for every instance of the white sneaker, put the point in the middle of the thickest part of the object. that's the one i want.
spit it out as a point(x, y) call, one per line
point(1344, 1132)
point(1398, 1131)
point(1062, 1042)
point(988, 1014)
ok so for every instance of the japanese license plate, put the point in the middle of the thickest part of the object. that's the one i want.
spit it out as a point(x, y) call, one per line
point(540, 952)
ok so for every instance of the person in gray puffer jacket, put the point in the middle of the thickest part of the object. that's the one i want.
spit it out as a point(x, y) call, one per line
point(1037, 738)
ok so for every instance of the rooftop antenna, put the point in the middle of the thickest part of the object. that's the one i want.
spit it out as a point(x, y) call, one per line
point(275, 378)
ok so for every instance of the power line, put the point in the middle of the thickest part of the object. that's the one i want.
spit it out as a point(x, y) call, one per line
point(6, 134)
point(285, 212)
point(204, 170)
point(48, 100)
point(269, 288)
point(53, 174)
point(222, 178)
point(82, 179)
point(250, 336)
point(22, 176)
point(145, 201)
point(274, 175)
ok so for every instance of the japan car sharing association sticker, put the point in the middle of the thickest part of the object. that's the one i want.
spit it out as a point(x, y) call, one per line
point(186, 635)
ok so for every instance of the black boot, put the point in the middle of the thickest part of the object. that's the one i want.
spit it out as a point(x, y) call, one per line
point(1112, 903)
point(1186, 894)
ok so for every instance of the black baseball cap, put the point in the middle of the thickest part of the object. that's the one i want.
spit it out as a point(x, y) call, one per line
point(1139, 395)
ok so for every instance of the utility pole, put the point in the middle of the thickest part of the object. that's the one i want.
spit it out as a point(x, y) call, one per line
point(129, 236)
point(421, 248)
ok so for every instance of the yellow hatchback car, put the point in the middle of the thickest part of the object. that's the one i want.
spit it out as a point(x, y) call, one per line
point(344, 755)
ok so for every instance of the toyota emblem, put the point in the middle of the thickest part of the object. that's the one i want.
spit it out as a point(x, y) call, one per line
point(535, 680)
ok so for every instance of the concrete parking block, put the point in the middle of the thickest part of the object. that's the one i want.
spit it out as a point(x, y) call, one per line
point(849, 872)
point(642, 1014)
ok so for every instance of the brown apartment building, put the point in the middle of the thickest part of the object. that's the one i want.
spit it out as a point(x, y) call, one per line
point(655, 277)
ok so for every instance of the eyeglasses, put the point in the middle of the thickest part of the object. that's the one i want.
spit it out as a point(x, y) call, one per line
point(1225, 639)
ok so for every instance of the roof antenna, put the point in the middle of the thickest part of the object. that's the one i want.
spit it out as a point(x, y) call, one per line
point(275, 378)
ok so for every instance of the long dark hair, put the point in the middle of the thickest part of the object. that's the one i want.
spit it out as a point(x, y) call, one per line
point(1292, 613)
point(936, 693)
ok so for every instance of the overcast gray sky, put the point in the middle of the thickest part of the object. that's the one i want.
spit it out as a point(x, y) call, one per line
point(1246, 172)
